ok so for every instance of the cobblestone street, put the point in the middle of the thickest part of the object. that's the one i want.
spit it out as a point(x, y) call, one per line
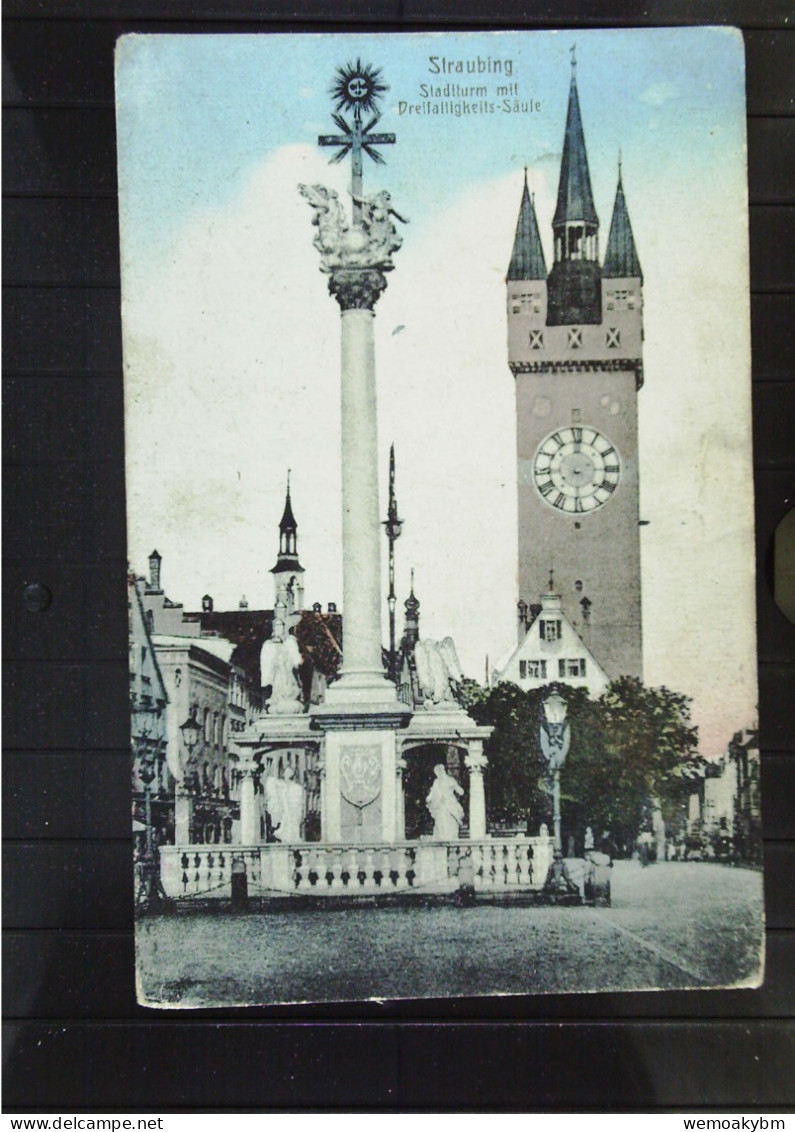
point(671, 925)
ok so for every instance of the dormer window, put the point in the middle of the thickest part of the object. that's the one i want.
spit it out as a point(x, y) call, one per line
point(549, 630)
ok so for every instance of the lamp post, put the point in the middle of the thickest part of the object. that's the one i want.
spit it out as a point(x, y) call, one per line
point(147, 751)
point(191, 733)
point(393, 526)
point(555, 736)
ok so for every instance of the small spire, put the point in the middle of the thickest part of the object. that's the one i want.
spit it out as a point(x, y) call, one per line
point(287, 558)
point(527, 257)
point(551, 579)
point(411, 605)
point(573, 50)
point(621, 258)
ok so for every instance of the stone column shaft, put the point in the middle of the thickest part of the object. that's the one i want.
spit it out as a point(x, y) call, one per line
point(361, 529)
point(475, 762)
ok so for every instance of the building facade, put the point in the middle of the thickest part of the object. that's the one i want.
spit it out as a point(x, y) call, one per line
point(575, 338)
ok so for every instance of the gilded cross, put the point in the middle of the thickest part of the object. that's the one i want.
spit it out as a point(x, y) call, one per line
point(357, 88)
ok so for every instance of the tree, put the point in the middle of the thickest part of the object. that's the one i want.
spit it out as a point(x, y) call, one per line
point(628, 747)
point(646, 742)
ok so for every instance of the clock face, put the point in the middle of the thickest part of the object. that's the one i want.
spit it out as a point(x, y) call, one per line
point(576, 470)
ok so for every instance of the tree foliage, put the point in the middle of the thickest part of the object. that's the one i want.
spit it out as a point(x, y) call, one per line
point(628, 748)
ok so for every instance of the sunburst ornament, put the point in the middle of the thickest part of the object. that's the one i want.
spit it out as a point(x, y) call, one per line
point(358, 87)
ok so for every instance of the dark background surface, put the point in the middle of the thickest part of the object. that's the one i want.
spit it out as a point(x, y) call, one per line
point(74, 1038)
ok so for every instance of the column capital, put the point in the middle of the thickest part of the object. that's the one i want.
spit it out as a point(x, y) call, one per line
point(400, 766)
point(356, 288)
point(475, 762)
point(246, 766)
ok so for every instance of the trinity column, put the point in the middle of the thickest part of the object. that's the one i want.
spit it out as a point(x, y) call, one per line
point(361, 712)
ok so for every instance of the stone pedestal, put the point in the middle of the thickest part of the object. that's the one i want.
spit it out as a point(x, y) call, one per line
point(182, 818)
point(360, 787)
point(249, 810)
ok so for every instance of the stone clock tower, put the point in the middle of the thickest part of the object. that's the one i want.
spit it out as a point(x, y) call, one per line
point(575, 348)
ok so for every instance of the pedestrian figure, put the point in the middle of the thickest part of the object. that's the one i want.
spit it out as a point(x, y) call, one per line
point(559, 888)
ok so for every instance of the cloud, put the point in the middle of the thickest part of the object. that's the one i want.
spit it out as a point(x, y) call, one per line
point(659, 93)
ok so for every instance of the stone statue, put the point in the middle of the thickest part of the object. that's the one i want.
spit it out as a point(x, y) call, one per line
point(438, 672)
point(588, 838)
point(284, 801)
point(279, 661)
point(370, 244)
point(445, 809)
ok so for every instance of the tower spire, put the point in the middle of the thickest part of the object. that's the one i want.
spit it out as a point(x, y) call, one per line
point(574, 282)
point(575, 197)
point(527, 257)
point(621, 258)
point(287, 558)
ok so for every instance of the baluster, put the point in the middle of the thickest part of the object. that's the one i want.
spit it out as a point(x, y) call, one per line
point(394, 878)
point(313, 869)
point(368, 868)
point(336, 870)
point(352, 869)
point(411, 872)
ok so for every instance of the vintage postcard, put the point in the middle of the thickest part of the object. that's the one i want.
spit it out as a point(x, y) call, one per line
point(440, 513)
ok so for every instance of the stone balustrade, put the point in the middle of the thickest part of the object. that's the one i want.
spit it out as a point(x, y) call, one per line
point(489, 865)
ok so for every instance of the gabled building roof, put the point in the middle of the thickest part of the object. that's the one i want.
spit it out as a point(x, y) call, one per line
point(527, 258)
point(544, 656)
point(621, 258)
point(575, 197)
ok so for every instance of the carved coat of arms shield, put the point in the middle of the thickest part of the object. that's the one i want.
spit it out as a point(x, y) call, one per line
point(360, 772)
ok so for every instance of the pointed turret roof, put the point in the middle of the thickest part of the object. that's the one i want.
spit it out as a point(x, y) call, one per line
point(287, 558)
point(621, 259)
point(527, 258)
point(575, 198)
point(288, 522)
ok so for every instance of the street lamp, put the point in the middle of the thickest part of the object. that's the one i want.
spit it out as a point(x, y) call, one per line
point(148, 748)
point(555, 736)
point(393, 526)
point(191, 732)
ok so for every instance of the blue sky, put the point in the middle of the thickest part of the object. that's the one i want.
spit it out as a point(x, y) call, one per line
point(220, 103)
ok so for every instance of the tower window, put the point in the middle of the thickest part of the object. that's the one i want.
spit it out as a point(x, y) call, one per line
point(536, 339)
point(575, 338)
point(613, 337)
point(617, 300)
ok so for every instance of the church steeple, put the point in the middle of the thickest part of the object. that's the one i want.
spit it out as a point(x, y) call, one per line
point(287, 558)
point(621, 258)
point(527, 258)
point(575, 198)
point(574, 290)
point(411, 630)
